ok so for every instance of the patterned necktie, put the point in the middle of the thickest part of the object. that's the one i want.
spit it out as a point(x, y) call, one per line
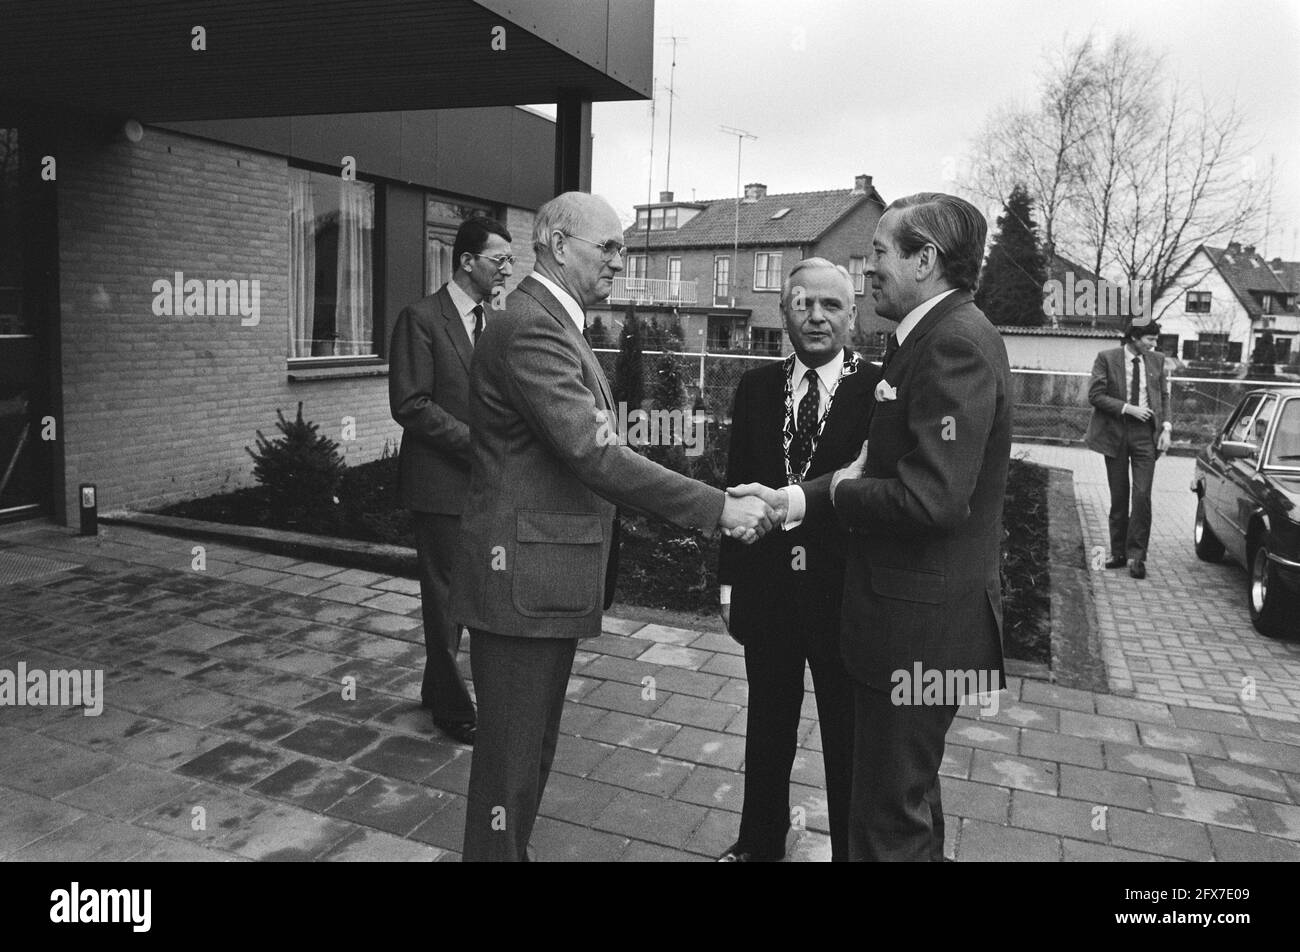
point(805, 424)
point(891, 348)
point(478, 322)
point(1134, 390)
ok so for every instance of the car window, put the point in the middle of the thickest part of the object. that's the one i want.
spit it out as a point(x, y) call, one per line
point(1239, 426)
point(1286, 440)
point(1263, 417)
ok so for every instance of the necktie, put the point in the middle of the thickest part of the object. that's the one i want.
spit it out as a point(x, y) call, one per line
point(891, 348)
point(805, 425)
point(1134, 390)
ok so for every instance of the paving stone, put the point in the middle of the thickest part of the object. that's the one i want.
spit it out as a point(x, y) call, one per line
point(1061, 748)
point(236, 762)
point(985, 842)
point(980, 801)
point(1096, 727)
point(1217, 722)
point(694, 683)
point(91, 839)
point(299, 584)
point(707, 747)
point(1133, 709)
point(956, 761)
point(637, 770)
point(578, 719)
point(49, 767)
point(1059, 815)
point(259, 722)
point(716, 641)
point(283, 690)
point(715, 834)
point(713, 787)
point(453, 777)
point(1240, 778)
point(578, 756)
point(675, 656)
point(733, 691)
point(445, 828)
point(1203, 806)
point(728, 666)
point(103, 732)
point(1261, 753)
point(1077, 851)
point(1276, 819)
point(558, 842)
point(392, 805)
point(310, 785)
point(358, 577)
point(394, 602)
point(127, 792)
point(1161, 835)
point(638, 852)
point(697, 712)
point(374, 846)
point(26, 818)
point(1283, 732)
point(616, 669)
point(620, 626)
point(1180, 739)
point(625, 730)
point(1148, 762)
point(1024, 773)
point(364, 706)
point(1052, 695)
point(640, 816)
point(330, 739)
point(1234, 846)
point(576, 799)
point(206, 816)
point(663, 634)
point(986, 735)
point(1019, 714)
point(407, 758)
point(633, 699)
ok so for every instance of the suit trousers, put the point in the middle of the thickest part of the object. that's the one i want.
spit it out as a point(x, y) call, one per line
point(1131, 530)
point(520, 684)
point(897, 811)
point(443, 689)
point(774, 667)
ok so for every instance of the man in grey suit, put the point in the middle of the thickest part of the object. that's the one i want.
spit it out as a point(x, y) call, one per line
point(428, 394)
point(536, 535)
point(922, 592)
point(1129, 393)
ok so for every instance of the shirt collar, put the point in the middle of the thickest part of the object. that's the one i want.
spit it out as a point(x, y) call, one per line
point(914, 316)
point(565, 298)
point(463, 302)
point(828, 372)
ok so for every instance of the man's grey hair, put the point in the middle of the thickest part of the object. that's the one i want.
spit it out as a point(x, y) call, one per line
point(806, 263)
point(565, 212)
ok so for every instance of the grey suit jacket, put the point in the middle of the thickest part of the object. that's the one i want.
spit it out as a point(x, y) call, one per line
point(428, 394)
point(922, 582)
point(544, 484)
point(1109, 391)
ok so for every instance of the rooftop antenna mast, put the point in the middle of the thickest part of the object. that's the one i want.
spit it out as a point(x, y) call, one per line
point(672, 71)
point(741, 135)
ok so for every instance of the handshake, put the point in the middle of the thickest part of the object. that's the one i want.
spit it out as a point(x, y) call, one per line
point(752, 510)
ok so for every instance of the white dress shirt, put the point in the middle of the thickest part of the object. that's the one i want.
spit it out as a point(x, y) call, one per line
point(465, 305)
point(794, 494)
point(566, 299)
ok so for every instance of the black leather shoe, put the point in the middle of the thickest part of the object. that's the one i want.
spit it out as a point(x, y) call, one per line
point(1138, 569)
point(460, 731)
point(1116, 563)
point(739, 854)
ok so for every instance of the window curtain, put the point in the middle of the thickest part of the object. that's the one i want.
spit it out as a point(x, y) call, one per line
point(353, 308)
point(302, 263)
point(437, 263)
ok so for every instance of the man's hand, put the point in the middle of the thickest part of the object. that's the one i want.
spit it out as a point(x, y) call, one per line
point(1163, 441)
point(747, 518)
point(725, 612)
point(853, 471)
point(1142, 413)
point(776, 499)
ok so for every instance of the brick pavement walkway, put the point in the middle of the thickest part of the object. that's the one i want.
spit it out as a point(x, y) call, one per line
point(225, 735)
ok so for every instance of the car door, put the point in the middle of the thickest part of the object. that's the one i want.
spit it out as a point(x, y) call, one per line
point(1218, 498)
point(1241, 476)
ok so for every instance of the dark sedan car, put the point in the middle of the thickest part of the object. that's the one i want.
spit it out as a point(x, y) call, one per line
point(1247, 484)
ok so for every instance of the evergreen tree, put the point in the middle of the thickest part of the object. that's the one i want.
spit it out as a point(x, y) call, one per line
point(667, 387)
point(629, 370)
point(1263, 359)
point(596, 334)
point(1011, 284)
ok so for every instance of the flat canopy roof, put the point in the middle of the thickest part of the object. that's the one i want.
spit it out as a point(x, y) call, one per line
point(135, 58)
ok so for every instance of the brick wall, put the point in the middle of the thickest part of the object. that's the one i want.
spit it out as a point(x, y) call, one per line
point(160, 408)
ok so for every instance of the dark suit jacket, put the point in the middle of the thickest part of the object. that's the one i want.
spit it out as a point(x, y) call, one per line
point(763, 576)
point(544, 483)
point(428, 394)
point(922, 582)
point(1109, 391)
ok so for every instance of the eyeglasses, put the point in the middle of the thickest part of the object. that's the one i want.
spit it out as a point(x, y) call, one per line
point(608, 249)
point(500, 260)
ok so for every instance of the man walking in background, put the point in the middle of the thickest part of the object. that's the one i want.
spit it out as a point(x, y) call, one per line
point(1130, 426)
point(428, 394)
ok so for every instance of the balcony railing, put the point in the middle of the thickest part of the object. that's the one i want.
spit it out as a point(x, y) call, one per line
point(652, 291)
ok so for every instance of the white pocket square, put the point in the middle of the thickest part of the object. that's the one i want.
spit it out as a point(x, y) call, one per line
point(885, 392)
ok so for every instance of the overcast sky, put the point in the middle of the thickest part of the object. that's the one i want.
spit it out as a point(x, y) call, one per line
point(896, 90)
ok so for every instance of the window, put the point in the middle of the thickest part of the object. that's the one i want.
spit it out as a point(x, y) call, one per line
point(1167, 344)
point(670, 218)
point(331, 265)
point(656, 219)
point(1240, 426)
point(635, 272)
point(767, 271)
point(1282, 349)
point(765, 340)
point(721, 276)
point(1266, 303)
point(1263, 417)
point(674, 277)
point(780, 213)
point(642, 218)
point(1212, 347)
point(857, 270)
point(1285, 450)
point(1198, 302)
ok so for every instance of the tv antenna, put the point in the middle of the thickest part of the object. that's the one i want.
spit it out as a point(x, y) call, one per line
point(741, 135)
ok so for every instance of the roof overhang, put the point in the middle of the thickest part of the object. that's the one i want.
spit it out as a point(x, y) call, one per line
point(135, 58)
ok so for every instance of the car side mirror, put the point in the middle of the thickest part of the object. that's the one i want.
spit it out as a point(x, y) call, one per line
point(1235, 449)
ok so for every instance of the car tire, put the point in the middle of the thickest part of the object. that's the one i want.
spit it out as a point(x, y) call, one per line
point(1208, 546)
point(1273, 608)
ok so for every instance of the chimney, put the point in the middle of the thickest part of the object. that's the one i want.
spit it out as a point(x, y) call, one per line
point(1276, 265)
point(754, 191)
point(1234, 247)
point(665, 196)
point(1249, 251)
point(861, 184)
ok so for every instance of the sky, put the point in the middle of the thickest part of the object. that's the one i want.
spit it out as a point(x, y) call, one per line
point(835, 88)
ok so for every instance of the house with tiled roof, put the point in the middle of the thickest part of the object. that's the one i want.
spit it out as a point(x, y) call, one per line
point(1223, 300)
point(717, 266)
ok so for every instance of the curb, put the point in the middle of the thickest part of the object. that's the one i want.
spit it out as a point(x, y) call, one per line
point(1076, 635)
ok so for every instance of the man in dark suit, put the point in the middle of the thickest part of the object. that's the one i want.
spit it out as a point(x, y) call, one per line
point(922, 590)
point(1130, 426)
point(537, 533)
point(796, 419)
point(428, 394)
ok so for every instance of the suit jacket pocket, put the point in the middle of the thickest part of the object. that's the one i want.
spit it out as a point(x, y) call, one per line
point(557, 563)
point(909, 585)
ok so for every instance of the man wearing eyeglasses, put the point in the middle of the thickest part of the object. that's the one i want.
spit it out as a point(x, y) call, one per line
point(428, 391)
point(538, 534)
